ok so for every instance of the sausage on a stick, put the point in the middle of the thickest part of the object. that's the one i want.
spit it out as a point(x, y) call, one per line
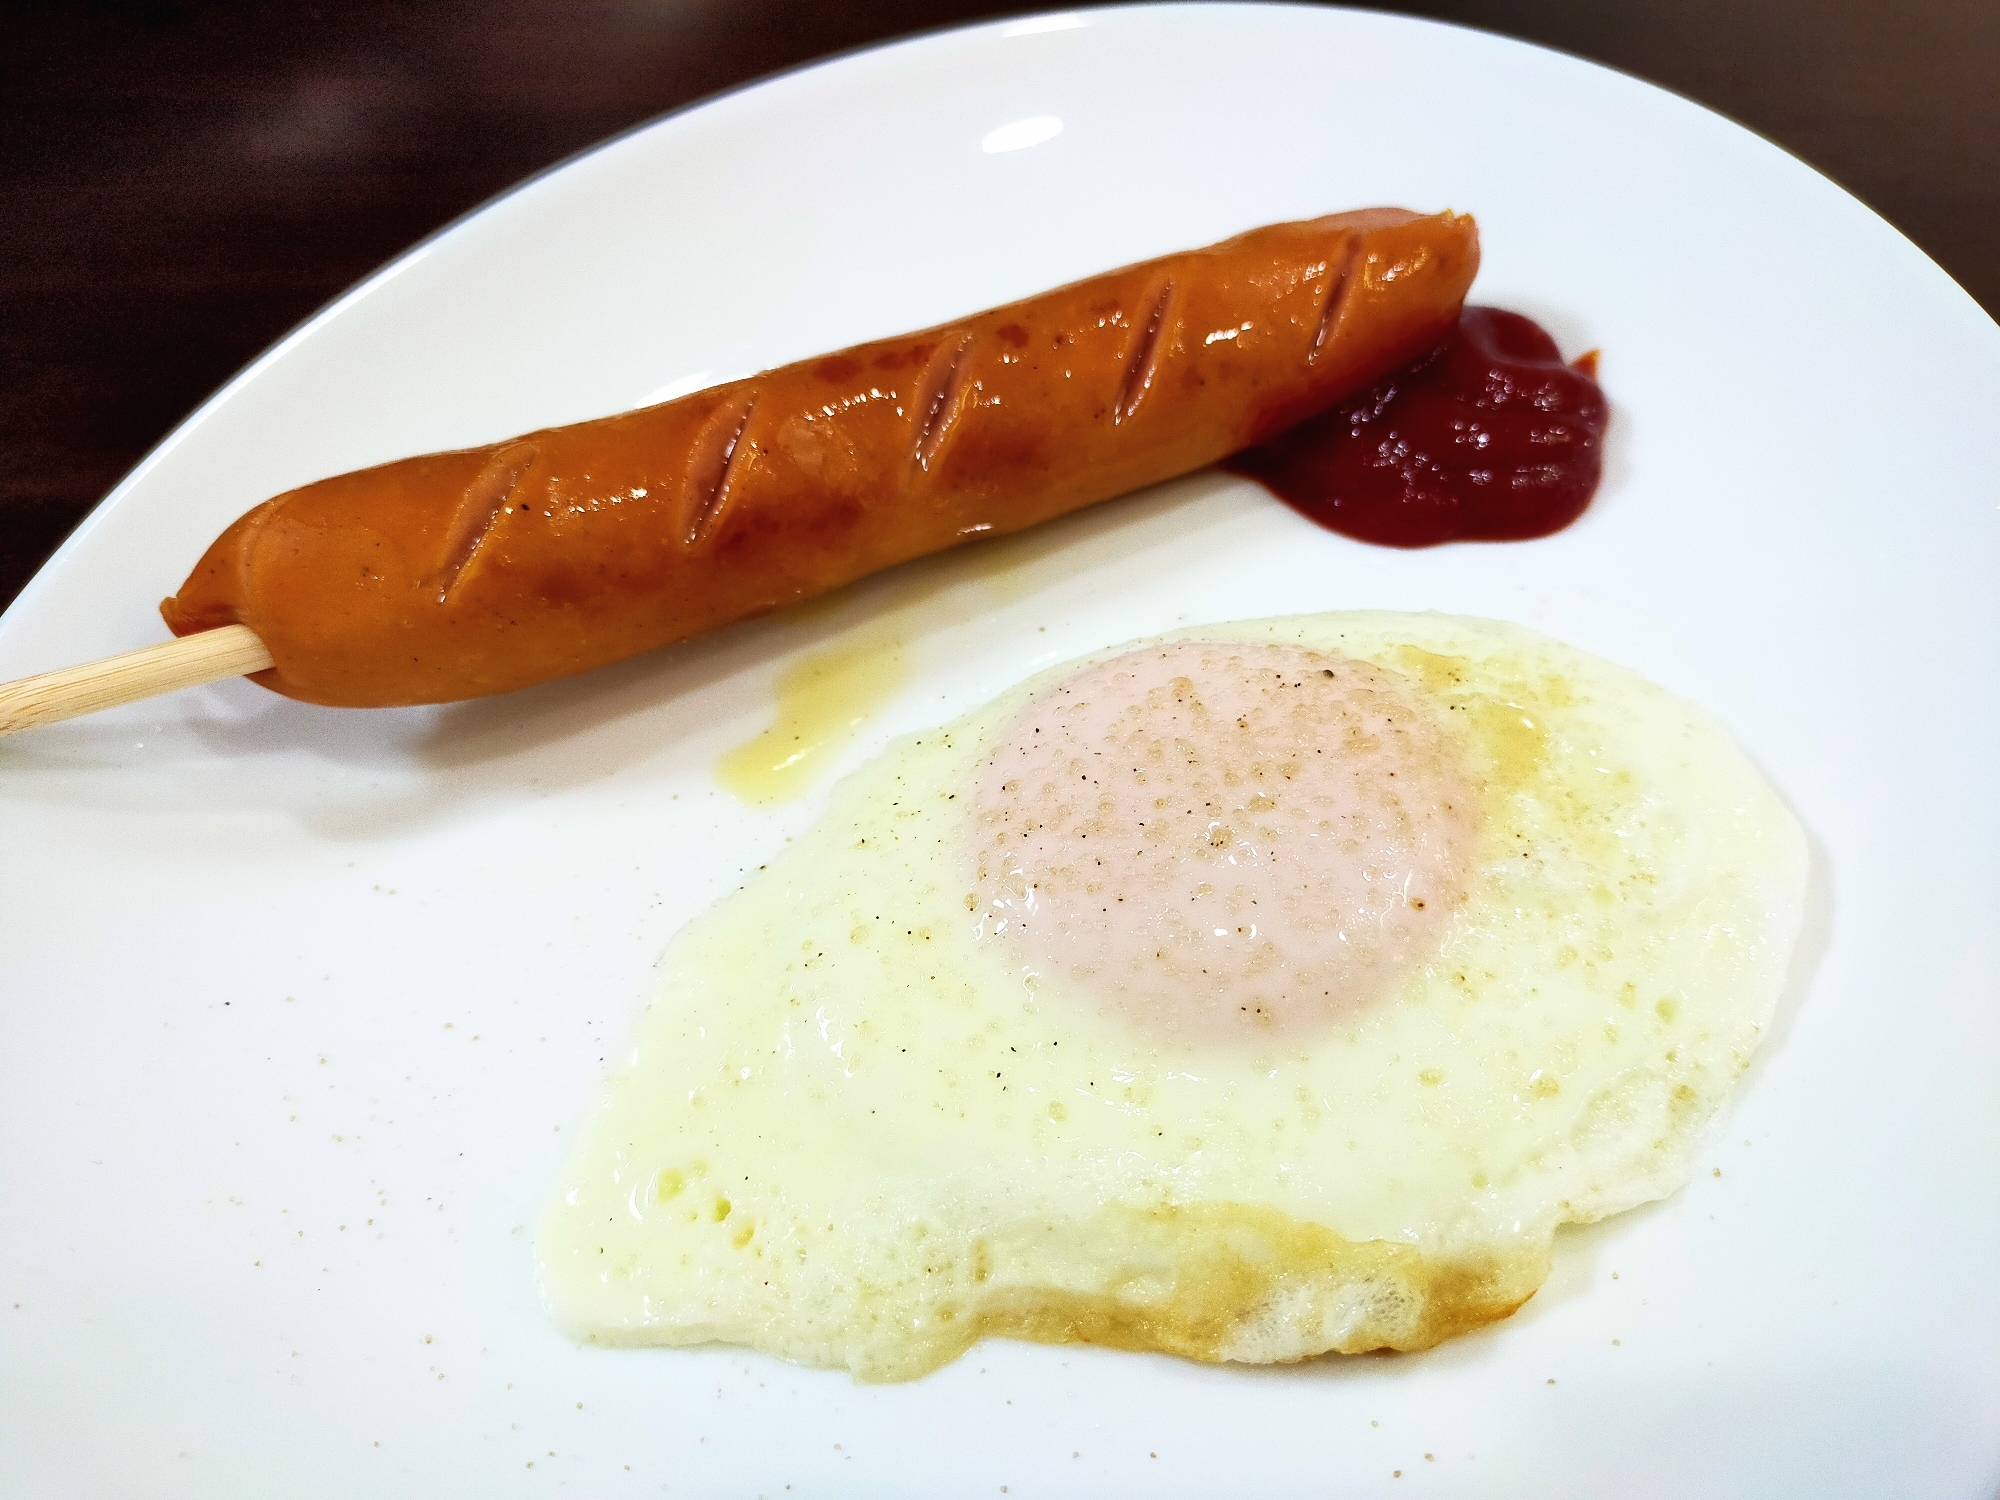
point(460, 574)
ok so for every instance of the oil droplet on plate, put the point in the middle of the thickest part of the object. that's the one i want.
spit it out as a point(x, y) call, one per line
point(823, 699)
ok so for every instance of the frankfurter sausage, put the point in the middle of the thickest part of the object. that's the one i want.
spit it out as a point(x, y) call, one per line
point(456, 575)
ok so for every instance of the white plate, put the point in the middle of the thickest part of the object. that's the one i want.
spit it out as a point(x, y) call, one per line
point(301, 1004)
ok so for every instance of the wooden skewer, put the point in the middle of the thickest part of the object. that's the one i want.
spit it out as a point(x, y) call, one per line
point(190, 661)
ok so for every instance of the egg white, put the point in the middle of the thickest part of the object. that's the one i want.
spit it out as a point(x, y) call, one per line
point(857, 1130)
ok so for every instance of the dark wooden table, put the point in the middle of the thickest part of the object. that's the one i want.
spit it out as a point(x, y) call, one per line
point(184, 180)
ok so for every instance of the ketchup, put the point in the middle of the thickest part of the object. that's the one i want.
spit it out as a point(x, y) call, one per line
point(1489, 437)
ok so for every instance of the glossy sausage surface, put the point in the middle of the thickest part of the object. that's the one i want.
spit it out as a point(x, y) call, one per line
point(456, 575)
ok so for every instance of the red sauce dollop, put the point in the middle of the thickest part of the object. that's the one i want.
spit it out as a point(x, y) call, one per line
point(1489, 437)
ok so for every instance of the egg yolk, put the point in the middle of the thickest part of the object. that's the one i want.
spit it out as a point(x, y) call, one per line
point(1224, 840)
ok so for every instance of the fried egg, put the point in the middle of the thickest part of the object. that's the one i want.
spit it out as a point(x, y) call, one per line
point(1250, 993)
